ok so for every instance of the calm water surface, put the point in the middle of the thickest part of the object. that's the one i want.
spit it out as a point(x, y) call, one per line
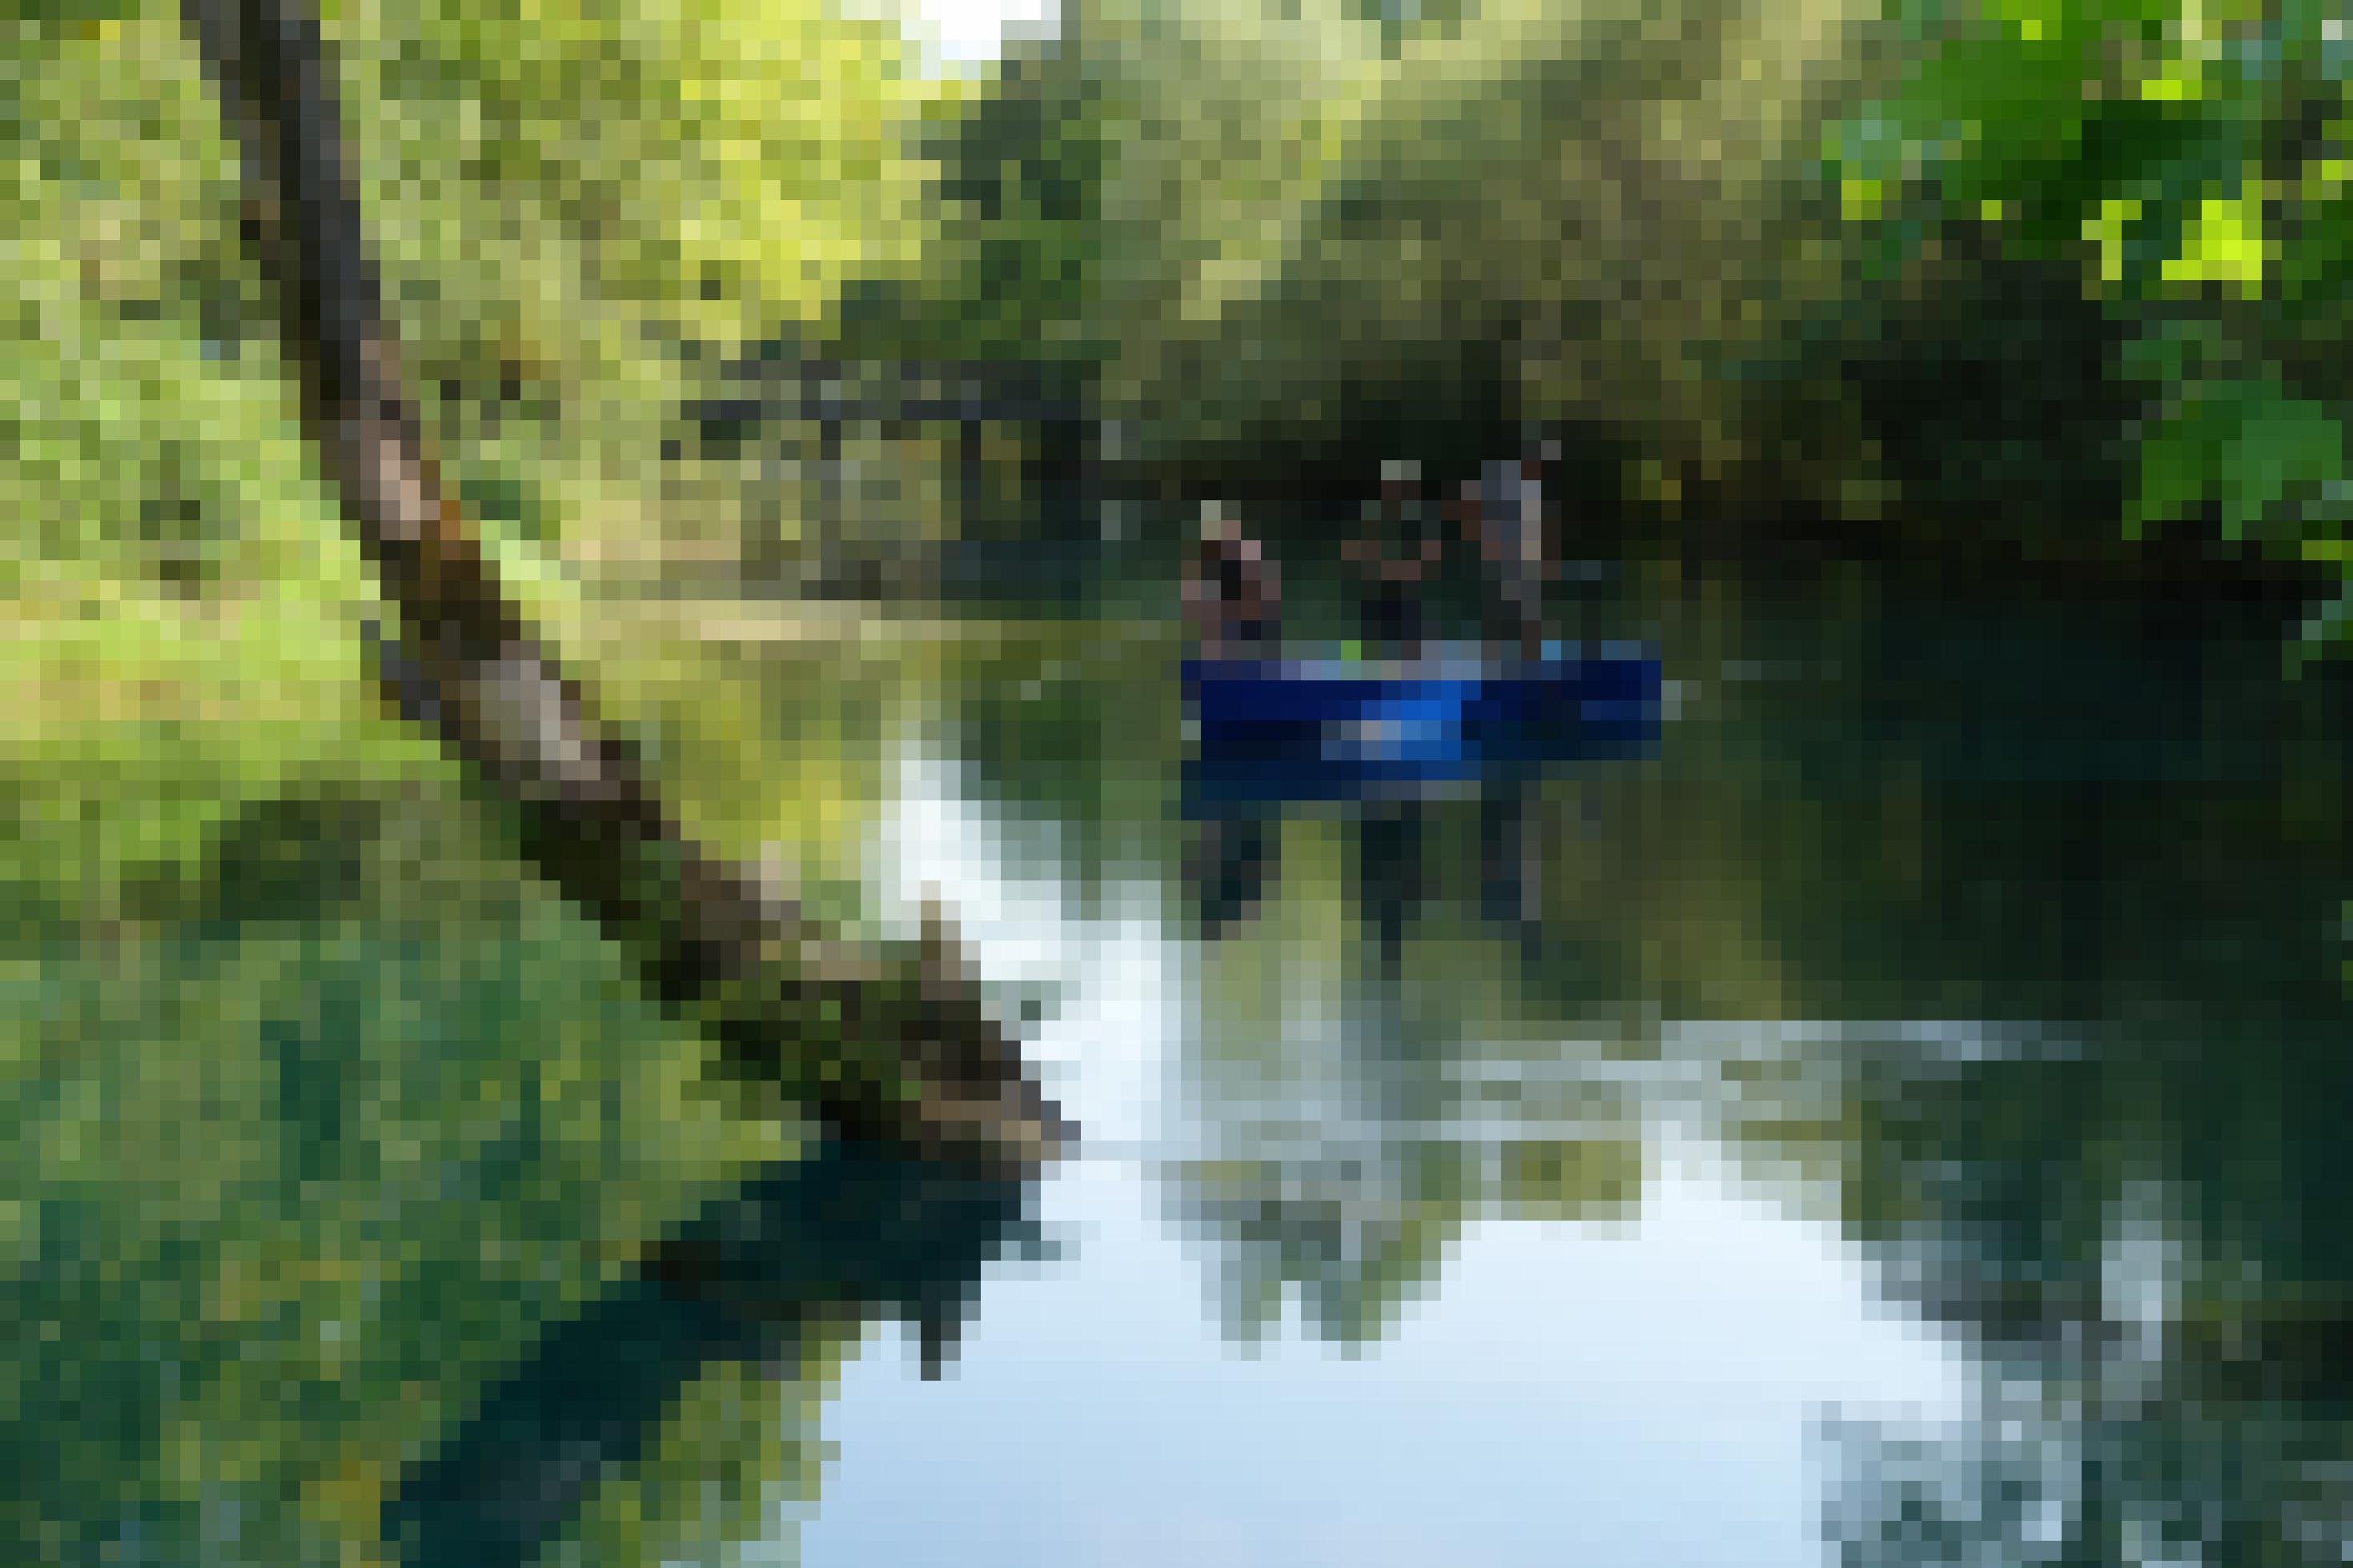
point(1899, 1122)
point(1892, 1124)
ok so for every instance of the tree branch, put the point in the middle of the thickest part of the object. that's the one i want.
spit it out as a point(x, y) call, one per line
point(894, 1045)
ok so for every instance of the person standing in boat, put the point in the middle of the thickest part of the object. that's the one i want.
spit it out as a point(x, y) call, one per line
point(1395, 553)
point(1508, 518)
point(1506, 508)
point(1233, 593)
point(1233, 597)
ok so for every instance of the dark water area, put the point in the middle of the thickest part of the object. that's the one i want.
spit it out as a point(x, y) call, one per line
point(1893, 1121)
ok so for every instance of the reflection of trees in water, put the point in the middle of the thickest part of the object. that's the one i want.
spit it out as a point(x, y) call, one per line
point(1357, 1126)
point(2110, 1172)
point(2123, 1217)
point(1072, 731)
point(1304, 1081)
point(1363, 1087)
point(770, 1277)
point(2113, 857)
point(2121, 1201)
point(2125, 1211)
point(2140, 1246)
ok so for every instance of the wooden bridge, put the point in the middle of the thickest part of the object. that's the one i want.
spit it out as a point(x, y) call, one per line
point(832, 393)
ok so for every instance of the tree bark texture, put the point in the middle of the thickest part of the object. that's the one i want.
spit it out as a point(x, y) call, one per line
point(889, 1044)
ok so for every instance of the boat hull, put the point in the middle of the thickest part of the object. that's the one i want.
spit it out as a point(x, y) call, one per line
point(1278, 730)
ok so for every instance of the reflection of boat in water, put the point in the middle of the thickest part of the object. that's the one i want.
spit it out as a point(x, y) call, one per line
point(1276, 730)
point(1386, 738)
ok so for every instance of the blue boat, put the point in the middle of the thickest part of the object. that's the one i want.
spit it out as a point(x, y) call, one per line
point(1267, 731)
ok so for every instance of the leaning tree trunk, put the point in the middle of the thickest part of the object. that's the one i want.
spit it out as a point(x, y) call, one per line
point(891, 1044)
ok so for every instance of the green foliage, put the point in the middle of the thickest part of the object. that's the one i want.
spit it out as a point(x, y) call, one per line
point(671, 181)
point(1271, 223)
point(313, 1092)
point(294, 1156)
point(2188, 161)
point(2271, 462)
point(1017, 252)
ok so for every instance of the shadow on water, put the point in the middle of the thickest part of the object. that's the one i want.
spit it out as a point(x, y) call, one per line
point(847, 1235)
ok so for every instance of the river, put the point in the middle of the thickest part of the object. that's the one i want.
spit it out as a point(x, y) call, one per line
point(1889, 1123)
point(1893, 1121)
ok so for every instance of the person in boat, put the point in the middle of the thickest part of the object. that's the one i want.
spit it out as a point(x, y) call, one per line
point(1396, 552)
point(1506, 513)
point(1233, 595)
point(1233, 591)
